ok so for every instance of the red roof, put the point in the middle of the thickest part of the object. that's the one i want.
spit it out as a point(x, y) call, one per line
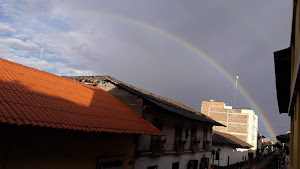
point(32, 97)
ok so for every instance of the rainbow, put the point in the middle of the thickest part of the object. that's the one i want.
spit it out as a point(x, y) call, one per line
point(208, 59)
point(194, 49)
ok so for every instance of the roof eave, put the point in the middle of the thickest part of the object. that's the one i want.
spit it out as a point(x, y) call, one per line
point(219, 124)
point(282, 61)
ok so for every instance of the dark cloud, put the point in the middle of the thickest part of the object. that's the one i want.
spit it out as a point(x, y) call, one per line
point(98, 37)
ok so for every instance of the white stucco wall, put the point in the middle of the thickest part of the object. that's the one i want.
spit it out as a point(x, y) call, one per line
point(169, 124)
point(145, 158)
point(252, 128)
point(234, 155)
point(166, 161)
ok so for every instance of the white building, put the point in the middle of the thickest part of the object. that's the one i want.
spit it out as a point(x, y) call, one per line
point(240, 122)
point(232, 150)
point(188, 139)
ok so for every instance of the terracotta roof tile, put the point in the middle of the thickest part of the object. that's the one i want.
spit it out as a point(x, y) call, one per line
point(3, 120)
point(33, 97)
point(225, 138)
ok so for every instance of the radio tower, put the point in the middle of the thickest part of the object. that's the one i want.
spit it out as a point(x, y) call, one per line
point(235, 88)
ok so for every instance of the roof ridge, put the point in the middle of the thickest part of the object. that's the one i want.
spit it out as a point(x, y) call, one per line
point(152, 93)
point(163, 100)
point(37, 98)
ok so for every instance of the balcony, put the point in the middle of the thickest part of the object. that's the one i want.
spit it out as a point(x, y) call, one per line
point(157, 146)
point(179, 146)
point(194, 146)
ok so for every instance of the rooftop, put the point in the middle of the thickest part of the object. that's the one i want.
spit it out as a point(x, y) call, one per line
point(224, 138)
point(166, 103)
point(284, 137)
point(30, 97)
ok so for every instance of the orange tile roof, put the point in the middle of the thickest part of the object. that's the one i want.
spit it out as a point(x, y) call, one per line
point(32, 97)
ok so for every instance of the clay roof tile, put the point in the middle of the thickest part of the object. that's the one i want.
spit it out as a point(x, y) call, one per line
point(33, 97)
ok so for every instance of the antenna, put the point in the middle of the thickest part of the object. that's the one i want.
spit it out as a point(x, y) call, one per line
point(236, 83)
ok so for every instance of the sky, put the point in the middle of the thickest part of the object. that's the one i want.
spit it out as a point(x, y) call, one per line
point(176, 49)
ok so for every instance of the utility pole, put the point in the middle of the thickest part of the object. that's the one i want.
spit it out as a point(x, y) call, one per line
point(235, 88)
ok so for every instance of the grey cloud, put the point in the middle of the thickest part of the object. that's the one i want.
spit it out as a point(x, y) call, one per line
point(4, 29)
point(17, 43)
point(240, 36)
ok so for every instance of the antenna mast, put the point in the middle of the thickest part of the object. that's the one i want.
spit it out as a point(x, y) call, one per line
point(235, 88)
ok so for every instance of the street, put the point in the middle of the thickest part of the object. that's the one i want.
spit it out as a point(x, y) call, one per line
point(266, 163)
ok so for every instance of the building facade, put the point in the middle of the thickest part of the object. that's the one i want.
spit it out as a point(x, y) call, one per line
point(287, 64)
point(240, 122)
point(32, 147)
point(232, 152)
point(48, 121)
point(188, 134)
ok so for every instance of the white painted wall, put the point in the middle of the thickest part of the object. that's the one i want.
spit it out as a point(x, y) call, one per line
point(252, 128)
point(144, 142)
point(145, 157)
point(165, 162)
point(234, 155)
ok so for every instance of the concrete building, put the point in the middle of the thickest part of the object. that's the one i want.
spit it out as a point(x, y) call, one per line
point(240, 122)
point(260, 148)
point(188, 139)
point(48, 121)
point(287, 64)
point(267, 146)
point(232, 151)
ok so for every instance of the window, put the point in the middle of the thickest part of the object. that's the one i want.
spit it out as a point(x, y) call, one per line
point(157, 145)
point(178, 132)
point(194, 141)
point(192, 164)
point(158, 123)
point(178, 144)
point(175, 165)
point(108, 162)
point(205, 141)
point(228, 160)
point(186, 133)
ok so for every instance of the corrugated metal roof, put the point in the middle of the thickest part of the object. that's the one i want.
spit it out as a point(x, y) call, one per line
point(32, 97)
point(166, 103)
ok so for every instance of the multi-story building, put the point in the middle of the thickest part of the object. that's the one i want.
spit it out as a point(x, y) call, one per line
point(188, 139)
point(240, 122)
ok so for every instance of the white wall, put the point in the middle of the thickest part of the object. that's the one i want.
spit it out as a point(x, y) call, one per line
point(169, 124)
point(252, 128)
point(145, 157)
point(165, 162)
point(234, 155)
